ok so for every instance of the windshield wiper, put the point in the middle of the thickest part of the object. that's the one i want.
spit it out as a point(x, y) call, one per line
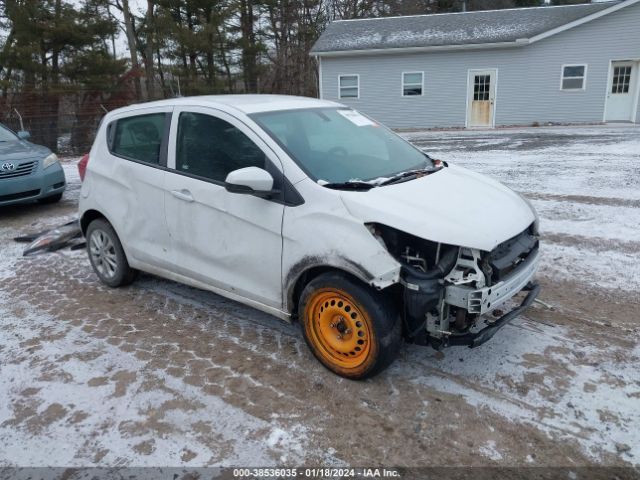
point(408, 175)
point(350, 185)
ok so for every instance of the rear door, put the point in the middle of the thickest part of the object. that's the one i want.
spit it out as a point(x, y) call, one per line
point(132, 190)
point(227, 240)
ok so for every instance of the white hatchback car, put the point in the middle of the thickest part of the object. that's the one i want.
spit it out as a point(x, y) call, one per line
point(310, 211)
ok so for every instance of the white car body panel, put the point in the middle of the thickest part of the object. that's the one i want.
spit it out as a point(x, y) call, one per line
point(228, 240)
point(323, 233)
point(454, 206)
point(131, 196)
point(253, 250)
point(255, 178)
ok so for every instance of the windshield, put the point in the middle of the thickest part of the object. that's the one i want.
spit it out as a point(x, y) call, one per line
point(6, 135)
point(336, 145)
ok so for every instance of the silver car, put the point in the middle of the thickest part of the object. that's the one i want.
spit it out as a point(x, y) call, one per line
point(28, 172)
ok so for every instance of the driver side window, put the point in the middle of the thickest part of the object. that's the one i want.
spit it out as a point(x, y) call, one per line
point(211, 148)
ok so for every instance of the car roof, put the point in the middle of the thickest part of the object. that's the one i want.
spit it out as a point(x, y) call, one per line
point(247, 103)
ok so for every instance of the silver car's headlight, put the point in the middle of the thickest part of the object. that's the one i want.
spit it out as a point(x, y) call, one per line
point(50, 160)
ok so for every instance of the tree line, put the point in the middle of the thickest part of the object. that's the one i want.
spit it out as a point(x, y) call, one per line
point(62, 64)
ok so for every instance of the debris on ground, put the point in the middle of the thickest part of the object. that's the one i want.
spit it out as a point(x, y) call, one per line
point(50, 240)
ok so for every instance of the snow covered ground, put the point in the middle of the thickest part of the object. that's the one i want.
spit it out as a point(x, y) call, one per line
point(159, 374)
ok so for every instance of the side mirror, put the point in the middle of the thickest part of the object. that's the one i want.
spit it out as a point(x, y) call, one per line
point(250, 180)
point(23, 135)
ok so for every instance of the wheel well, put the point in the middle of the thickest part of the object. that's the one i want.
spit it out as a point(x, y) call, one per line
point(308, 275)
point(88, 217)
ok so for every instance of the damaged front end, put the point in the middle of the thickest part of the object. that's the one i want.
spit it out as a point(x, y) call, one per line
point(447, 290)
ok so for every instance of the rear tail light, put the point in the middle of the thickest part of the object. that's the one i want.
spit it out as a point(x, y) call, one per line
point(82, 166)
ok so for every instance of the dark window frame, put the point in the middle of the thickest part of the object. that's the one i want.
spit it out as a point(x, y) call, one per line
point(164, 141)
point(287, 195)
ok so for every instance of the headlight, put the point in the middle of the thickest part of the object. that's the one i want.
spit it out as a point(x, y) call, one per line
point(50, 160)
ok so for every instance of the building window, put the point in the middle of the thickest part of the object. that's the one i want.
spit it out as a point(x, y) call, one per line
point(349, 86)
point(412, 83)
point(481, 87)
point(573, 77)
point(621, 79)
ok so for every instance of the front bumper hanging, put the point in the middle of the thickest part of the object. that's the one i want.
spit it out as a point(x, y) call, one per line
point(476, 339)
point(483, 300)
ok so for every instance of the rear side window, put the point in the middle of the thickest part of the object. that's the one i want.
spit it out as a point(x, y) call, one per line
point(210, 147)
point(139, 138)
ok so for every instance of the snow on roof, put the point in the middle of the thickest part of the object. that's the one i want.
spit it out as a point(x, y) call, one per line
point(479, 27)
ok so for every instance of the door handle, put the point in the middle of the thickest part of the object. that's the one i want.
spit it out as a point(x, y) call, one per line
point(182, 195)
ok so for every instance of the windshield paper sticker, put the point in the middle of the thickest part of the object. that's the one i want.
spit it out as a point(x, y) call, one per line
point(356, 118)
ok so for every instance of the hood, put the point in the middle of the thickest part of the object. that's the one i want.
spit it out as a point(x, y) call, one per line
point(19, 150)
point(454, 206)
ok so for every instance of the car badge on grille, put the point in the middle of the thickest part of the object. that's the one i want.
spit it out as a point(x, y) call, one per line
point(7, 167)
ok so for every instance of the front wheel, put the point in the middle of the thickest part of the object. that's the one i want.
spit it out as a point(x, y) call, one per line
point(351, 329)
point(107, 255)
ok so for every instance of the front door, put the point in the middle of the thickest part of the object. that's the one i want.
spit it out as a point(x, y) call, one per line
point(227, 240)
point(481, 98)
point(623, 77)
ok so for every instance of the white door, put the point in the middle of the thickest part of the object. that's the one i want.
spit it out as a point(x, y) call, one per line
point(621, 97)
point(481, 98)
point(227, 240)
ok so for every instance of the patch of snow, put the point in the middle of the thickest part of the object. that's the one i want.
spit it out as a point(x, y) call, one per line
point(598, 221)
point(607, 269)
point(11, 252)
point(489, 450)
point(593, 161)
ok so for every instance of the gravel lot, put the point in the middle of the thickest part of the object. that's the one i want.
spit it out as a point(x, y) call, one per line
point(159, 374)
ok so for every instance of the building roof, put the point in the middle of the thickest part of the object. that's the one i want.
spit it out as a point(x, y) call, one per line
point(456, 30)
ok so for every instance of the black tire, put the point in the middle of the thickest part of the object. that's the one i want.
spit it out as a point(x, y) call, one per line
point(107, 256)
point(52, 199)
point(370, 324)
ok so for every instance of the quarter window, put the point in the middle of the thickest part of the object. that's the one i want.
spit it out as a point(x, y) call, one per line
point(349, 86)
point(573, 77)
point(139, 138)
point(412, 83)
point(211, 148)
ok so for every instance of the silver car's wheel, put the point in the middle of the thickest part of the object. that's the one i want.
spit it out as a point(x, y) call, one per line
point(103, 253)
point(107, 255)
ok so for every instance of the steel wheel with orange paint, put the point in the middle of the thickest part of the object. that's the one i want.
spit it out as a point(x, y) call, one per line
point(352, 329)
